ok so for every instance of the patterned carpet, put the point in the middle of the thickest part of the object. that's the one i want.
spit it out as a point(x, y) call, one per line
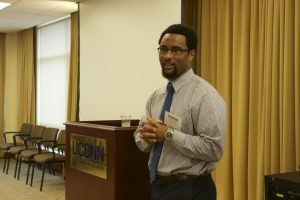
point(13, 189)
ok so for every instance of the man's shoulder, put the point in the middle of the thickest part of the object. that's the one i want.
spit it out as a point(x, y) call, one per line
point(158, 92)
point(201, 84)
point(202, 87)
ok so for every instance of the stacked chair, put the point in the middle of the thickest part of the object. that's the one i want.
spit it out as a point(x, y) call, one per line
point(36, 145)
point(29, 143)
point(44, 159)
point(24, 131)
point(48, 138)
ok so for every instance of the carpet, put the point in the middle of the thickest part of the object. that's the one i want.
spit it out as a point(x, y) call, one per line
point(13, 189)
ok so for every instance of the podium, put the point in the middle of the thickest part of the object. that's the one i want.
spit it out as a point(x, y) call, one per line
point(103, 162)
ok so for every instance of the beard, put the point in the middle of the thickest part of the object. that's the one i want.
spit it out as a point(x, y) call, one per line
point(172, 75)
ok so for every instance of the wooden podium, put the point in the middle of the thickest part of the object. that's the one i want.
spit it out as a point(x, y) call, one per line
point(127, 175)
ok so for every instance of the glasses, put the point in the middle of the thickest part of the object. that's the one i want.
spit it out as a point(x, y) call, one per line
point(173, 51)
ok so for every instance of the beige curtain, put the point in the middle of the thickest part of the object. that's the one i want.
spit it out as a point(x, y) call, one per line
point(73, 70)
point(2, 82)
point(27, 68)
point(249, 50)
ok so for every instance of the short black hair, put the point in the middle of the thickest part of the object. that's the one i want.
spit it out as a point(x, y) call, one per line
point(188, 32)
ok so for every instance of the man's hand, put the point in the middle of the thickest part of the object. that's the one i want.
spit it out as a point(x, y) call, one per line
point(153, 130)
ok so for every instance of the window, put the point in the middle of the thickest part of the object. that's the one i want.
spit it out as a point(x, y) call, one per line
point(53, 51)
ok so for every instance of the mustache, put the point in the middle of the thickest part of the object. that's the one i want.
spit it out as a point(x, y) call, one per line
point(167, 63)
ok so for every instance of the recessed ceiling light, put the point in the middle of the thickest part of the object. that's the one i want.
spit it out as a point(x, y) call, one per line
point(3, 5)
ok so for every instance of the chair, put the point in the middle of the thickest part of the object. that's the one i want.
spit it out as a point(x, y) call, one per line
point(35, 134)
point(57, 155)
point(48, 138)
point(24, 131)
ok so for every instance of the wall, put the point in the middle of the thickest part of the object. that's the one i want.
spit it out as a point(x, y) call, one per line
point(119, 65)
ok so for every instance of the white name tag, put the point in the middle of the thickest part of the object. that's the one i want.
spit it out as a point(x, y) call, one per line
point(173, 121)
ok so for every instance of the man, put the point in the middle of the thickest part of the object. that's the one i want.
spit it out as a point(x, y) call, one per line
point(185, 125)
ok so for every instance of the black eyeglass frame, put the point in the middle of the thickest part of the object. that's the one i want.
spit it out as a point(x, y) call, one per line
point(173, 51)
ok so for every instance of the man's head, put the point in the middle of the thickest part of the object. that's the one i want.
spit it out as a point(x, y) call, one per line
point(189, 33)
point(177, 46)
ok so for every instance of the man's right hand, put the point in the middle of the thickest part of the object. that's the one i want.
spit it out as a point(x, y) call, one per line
point(148, 133)
point(152, 130)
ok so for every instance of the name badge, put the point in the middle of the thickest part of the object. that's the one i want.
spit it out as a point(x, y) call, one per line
point(173, 121)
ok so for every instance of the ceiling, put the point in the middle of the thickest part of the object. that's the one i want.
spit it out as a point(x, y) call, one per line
point(23, 14)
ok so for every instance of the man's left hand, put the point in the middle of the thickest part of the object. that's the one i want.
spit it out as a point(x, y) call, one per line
point(153, 130)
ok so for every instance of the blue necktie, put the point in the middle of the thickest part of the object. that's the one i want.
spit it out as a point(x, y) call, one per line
point(158, 145)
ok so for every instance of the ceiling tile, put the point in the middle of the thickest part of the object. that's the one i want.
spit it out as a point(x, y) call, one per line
point(28, 13)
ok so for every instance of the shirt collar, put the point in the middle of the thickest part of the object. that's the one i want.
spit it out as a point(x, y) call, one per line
point(181, 80)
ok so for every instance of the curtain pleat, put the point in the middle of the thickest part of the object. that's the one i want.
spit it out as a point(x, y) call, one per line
point(249, 50)
point(288, 125)
point(223, 82)
point(191, 10)
point(27, 69)
point(254, 79)
point(2, 82)
point(73, 70)
point(297, 81)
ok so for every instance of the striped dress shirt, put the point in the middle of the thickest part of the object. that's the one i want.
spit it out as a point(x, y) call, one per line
point(199, 144)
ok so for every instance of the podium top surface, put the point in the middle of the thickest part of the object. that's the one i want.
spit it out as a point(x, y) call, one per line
point(105, 124)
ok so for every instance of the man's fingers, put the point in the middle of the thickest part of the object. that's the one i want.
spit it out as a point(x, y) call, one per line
point(147, 135)
point(150, 140)
point(160, 122)
point(154, 122)
point(148, 128)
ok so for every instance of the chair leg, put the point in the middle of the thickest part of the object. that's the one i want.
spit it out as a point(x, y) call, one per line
point(53, 170)
point(63, 172)
point(42, 181)
point(28, 169)
point(50, 170)
point(7, 166)
point(20, 163)
point(17, 164)
point(5, 158)
point(32, 173)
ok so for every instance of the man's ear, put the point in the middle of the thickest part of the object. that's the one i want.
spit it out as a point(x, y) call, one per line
point(191, 55)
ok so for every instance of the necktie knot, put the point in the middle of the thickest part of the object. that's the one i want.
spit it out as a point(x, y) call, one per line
point(170, 88)
point(168, 101)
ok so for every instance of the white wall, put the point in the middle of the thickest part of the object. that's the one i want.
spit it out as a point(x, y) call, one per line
point(119, 65)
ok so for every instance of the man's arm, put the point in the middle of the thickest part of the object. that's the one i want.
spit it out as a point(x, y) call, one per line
point(208, 141)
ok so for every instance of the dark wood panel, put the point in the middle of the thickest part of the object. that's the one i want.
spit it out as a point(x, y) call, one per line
point(127, 171)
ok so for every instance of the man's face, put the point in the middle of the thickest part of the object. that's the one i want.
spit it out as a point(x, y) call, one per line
point(173, 64)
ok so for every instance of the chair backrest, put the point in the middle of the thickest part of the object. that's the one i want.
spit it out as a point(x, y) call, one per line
point(49, 134)
point(26, 128)
point(61, 139)
point(37, 131)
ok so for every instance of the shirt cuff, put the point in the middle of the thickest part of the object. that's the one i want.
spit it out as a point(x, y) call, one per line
point(144, 146)
point(178, 138)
